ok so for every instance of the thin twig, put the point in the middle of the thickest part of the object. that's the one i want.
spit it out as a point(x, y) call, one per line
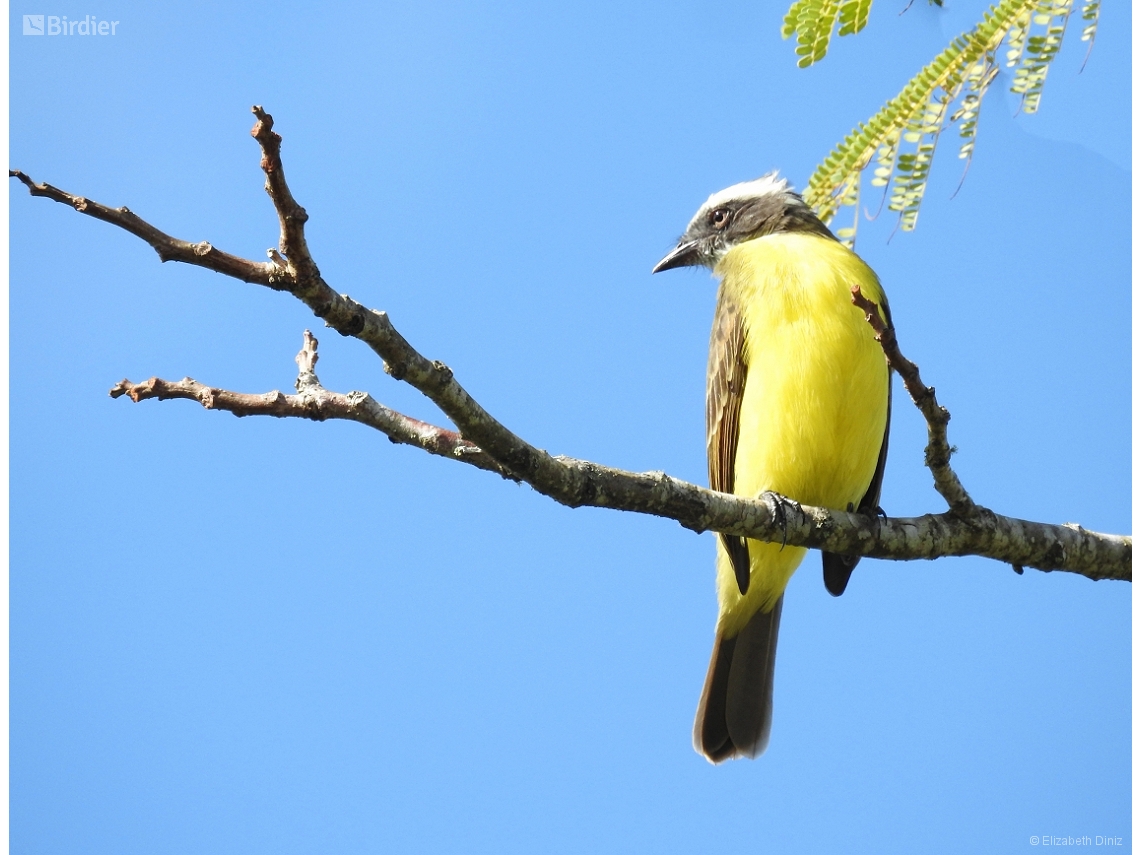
point(314, 402)
point(291, 216)
point(938, 449)
point(200, 254)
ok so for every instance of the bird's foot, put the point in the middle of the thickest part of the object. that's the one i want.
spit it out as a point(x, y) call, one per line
point(780, 507)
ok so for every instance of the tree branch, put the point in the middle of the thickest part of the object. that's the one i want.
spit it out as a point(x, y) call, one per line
point(938, 449)
point(200, 254)
point(313, 401)
point(967, 529)
point(770, 517)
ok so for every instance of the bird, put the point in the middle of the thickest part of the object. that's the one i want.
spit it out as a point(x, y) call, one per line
point(798, 403)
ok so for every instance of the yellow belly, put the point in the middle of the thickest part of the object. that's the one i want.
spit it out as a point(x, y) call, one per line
point(815, 399)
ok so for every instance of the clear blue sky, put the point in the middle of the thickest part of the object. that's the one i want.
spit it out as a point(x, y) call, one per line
point(280, 636)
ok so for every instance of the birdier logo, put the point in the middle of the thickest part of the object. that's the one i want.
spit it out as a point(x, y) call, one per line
point(59, 25)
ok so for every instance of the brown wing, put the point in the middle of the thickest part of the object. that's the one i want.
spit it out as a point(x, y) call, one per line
point(725, 392)
point(837, 569)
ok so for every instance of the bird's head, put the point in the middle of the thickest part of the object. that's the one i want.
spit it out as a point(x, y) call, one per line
point(738, 213)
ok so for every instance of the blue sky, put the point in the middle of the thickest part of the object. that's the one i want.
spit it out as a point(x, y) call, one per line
point(262, 635)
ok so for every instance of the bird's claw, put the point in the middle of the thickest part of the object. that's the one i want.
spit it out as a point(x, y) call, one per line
point(781, 505)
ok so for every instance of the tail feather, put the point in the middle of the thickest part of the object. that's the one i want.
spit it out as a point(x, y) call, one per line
point(710, 730)
point(734, 717)
point(837, 570)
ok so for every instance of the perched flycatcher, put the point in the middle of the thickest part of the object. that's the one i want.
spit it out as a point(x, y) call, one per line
point(798, 402)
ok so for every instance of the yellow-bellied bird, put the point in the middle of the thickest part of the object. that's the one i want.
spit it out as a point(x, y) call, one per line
point(798, 403)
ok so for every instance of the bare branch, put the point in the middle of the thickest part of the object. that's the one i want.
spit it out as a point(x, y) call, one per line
point(770, 517)
point(967, 529)
point(306, 360)
point(200, 254)
point(319, 404)
point(291, 215)
point(938, 448)
point(401, 360)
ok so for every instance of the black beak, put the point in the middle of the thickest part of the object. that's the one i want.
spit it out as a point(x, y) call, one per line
point(684, 254)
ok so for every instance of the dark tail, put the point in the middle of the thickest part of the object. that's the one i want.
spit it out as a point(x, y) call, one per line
point(735, 714)
point(837, 570)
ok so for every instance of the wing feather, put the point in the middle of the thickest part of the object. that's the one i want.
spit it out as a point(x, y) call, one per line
point(726, 375)
point(837, 569)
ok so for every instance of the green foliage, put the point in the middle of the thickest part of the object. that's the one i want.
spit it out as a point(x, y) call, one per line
point(900, 140)
point(813, 20)
point(1033, 53)
point(1089, 14)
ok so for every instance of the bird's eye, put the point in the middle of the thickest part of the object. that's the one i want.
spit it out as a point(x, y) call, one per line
point(719, 218)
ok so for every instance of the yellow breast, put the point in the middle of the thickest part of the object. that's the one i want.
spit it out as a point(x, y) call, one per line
point(815, 399)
